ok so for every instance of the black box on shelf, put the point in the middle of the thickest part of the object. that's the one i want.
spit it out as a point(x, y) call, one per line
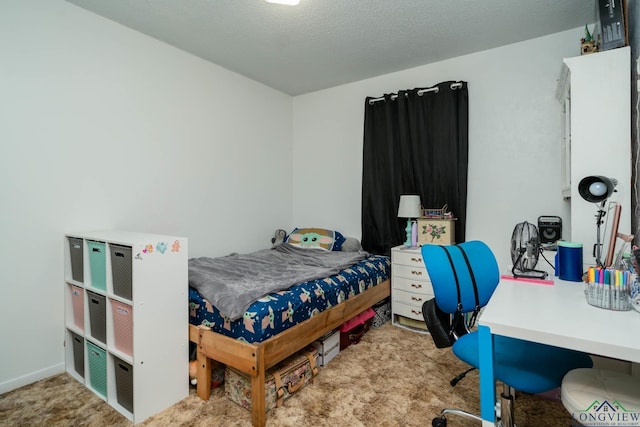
point(613, 27)
point(77, 263)
point(98, 316)
point(78, 353)
point(124, 384)
point(121, 270)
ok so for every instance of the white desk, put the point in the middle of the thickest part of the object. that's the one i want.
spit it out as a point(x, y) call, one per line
point(557, 315)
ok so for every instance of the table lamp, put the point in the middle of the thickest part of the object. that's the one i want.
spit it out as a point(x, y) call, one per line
point(597, 189)
point(409, 208)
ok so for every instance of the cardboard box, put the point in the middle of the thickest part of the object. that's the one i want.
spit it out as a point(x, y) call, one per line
point(613, 27)
point(328, 347)
point(436, 231)
point(412, 323)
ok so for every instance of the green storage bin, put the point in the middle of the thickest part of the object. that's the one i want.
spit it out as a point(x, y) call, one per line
point(98, 264)
point(97, 358)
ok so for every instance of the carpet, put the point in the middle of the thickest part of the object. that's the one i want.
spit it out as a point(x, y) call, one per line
point(392, 378)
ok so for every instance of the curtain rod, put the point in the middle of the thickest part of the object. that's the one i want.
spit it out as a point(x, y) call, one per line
point(452, 86)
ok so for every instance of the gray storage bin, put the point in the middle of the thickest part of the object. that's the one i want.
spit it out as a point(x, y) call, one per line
point(78, 353)
point(124, 384)
point(97, 316)
point(77, 261)
point(121, 270)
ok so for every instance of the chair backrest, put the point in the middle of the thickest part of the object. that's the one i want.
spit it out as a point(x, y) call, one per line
point(483, 265)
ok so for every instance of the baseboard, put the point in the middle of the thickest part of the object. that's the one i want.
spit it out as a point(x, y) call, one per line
point(14, 383)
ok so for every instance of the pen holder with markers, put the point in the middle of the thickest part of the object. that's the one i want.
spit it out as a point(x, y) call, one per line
point(609, 288)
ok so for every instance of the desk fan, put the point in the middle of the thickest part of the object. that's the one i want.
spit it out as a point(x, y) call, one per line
point(525, 250)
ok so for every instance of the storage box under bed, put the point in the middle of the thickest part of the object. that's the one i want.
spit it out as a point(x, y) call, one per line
point(281, 381)
point(328, 347)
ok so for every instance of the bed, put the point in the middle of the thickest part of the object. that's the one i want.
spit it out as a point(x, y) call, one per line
point(281, 322)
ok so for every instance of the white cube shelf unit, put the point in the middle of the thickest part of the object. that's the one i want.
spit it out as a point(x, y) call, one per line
point(595, 94)
point(126, 318)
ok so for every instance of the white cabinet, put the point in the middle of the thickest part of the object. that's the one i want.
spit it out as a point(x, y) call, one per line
point(595, 93)
point(410, 288)
point(126, 318)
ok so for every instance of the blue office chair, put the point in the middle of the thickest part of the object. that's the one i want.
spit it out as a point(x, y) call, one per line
point(464, 277)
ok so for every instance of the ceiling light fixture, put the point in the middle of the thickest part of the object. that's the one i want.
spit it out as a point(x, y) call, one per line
point(287, 2)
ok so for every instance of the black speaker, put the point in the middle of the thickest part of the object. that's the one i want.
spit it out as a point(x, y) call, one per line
point(550, 228)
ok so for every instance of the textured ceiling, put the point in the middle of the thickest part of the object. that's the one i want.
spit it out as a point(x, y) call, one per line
point(325, 43)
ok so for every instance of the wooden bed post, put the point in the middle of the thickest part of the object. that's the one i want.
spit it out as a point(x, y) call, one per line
point(203, 375)
point(258, 405)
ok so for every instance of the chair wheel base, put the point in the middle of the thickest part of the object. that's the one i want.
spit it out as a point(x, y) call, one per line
point(439, 422)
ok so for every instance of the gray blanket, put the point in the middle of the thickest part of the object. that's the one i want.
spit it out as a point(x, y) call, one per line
point(233, 282)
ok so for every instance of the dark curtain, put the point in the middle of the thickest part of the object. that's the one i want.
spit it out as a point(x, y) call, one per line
point(413, 144)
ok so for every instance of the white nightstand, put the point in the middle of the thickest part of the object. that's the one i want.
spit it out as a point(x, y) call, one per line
point(410, 288)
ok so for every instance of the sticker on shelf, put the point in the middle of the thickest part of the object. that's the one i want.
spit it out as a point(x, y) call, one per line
point(161, 247)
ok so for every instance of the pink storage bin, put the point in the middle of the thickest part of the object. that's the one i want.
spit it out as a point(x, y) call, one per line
point(354, 329)
point(357, 320)
point(77, 304)
point(123, 326)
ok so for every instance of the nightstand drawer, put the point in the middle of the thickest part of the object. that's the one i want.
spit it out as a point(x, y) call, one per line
point(410, 272)
point(411, 285)
point(406, 310)
point(410, 298)
point(408, 257)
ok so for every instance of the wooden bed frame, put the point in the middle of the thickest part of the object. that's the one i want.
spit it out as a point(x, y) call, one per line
point(255, 358)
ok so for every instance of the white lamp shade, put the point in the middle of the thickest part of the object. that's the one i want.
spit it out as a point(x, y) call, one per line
point(409, 206)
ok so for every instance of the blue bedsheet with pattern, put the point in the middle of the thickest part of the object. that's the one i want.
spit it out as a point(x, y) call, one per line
point(278, 311)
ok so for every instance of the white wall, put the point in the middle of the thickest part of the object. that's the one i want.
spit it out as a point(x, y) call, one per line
point(102, 127)
point(514, 137)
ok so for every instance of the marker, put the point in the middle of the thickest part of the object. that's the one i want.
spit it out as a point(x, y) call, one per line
point(600, 294)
